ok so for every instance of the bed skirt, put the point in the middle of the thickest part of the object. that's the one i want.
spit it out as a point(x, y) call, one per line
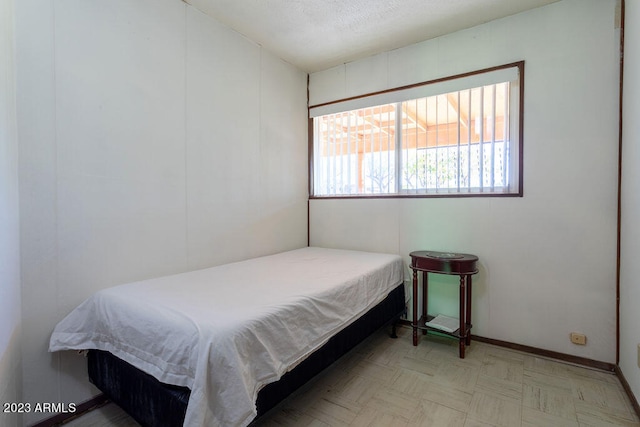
point(152, 403)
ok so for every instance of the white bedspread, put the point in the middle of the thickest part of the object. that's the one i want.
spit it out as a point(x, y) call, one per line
point(227, 331)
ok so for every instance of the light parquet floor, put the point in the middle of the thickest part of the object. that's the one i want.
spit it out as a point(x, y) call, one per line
point(387, 382)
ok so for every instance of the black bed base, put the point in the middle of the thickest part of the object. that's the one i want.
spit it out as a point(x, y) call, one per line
point(152, 403)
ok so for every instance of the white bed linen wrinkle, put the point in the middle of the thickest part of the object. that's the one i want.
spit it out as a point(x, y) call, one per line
point(167, 358)
point(240, 326)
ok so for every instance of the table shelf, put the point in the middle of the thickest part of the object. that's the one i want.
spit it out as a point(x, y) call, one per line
point(422, 325)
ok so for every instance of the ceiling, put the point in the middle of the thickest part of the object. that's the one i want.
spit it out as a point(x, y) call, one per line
point(318, 34)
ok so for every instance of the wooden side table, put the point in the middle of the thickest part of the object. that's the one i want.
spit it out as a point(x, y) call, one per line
point(463, 265)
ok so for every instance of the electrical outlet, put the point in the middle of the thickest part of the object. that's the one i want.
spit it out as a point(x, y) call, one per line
point(579, 339)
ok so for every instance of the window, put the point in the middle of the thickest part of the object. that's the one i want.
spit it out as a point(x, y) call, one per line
point(455, 136)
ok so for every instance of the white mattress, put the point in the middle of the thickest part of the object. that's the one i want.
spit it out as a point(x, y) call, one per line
point(227, 331)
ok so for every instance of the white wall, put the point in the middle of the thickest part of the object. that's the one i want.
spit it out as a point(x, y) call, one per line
point(630, 233)
point(153, 140)
point(10, 368)
point(548, 259)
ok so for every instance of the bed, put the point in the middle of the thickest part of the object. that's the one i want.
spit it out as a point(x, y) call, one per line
point(219, 346)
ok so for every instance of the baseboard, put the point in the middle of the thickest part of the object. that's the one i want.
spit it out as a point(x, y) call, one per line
point(590, 363)
point(610, 367)
point(628, 390)
point(82, 408)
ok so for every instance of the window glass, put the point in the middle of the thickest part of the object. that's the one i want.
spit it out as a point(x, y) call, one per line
point(464, 141)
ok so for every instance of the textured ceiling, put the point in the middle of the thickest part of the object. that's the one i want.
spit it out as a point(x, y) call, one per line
point(319, 34)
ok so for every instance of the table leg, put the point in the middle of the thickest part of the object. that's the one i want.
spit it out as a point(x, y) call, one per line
point(425, 297)
point(468, 316)
point(463, 313)
point(415, 308)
